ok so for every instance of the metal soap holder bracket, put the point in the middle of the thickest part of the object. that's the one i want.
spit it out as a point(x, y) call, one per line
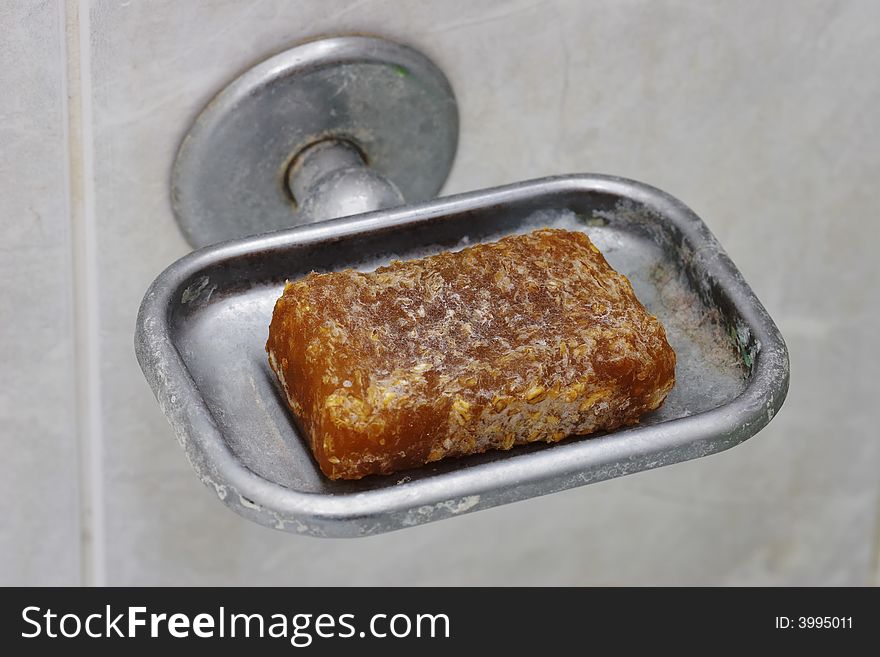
point(352, 125)
point(328, 129)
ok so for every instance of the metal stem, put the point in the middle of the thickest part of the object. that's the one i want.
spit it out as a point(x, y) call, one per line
point(331, 179)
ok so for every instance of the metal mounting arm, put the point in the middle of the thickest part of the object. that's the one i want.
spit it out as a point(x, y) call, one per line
point(330, 128)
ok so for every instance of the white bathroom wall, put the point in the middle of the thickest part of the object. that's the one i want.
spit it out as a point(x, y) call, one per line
point(761, 116)
point(39, 530)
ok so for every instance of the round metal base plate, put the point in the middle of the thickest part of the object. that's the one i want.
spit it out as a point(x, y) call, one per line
point(229, 178)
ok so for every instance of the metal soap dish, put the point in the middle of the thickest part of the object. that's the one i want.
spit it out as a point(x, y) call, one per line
point(352, 125)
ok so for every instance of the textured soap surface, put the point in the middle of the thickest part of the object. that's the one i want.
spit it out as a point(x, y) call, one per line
point(530, 338)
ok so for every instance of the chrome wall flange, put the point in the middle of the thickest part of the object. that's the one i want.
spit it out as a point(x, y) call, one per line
point(329, 128)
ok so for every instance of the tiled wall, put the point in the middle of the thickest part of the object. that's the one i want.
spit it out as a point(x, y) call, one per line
point(40, 525)
point(761, 116)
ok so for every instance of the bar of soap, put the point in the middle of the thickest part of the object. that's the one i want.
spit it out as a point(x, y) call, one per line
point(530, 338)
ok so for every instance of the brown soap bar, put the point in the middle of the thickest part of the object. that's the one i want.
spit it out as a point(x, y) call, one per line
point(531, 338)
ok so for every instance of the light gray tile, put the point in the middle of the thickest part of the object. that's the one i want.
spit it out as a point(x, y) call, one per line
point(39, 533)
point(759, 115)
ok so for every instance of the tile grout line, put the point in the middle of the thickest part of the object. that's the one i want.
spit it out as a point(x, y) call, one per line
point(79, 184)
point(874, 566)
